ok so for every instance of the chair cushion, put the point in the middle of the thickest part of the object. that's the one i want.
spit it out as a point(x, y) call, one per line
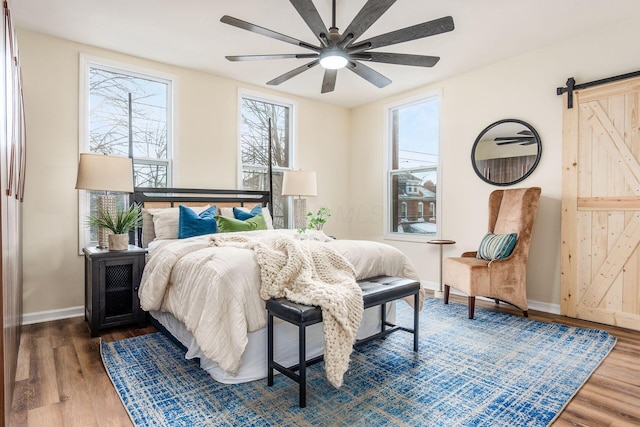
point(497, 246)
point(462, 273)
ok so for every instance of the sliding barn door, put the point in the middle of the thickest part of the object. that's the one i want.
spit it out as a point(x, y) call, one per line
point(601, 205)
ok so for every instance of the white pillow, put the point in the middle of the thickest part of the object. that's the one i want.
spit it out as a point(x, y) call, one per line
point(228, 212)
point(166, 220)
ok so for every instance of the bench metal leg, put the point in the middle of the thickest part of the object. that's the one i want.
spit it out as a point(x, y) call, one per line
point(302, 372)
point(270, 350)
point(416, 317)
point(383, 316)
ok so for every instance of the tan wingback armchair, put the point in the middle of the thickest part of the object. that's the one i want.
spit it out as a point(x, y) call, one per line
point(510, 211)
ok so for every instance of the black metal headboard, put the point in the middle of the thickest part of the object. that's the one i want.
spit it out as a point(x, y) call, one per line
point(171, 197)
point(175, 196)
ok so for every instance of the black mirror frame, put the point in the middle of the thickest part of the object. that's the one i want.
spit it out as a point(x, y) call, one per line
point(487, 129)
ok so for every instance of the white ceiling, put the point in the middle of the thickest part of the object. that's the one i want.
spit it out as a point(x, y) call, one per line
point(189, 33)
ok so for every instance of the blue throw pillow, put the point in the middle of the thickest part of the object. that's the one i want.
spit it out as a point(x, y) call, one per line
point(496, 246)
point(191, 224)
point(242, 215)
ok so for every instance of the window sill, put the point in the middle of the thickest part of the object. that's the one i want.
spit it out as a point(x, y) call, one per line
point(409, 237)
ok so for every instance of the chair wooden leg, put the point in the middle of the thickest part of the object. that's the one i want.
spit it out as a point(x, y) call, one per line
point(525, 313)
point(447, 288)
point(472, 306)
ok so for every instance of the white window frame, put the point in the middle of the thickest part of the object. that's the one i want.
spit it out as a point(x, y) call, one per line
point(86, 61)
point(293, 129)
point(388, 155)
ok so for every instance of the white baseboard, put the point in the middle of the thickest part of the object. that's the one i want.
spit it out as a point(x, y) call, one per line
point(49, 315)
point(546, 307)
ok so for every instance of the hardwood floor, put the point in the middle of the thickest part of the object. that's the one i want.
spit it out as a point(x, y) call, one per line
point(61, 381)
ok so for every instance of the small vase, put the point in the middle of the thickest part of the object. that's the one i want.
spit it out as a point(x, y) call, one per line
point(118, 242)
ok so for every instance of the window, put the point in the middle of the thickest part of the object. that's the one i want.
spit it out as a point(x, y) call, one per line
point(125, 113)
point(413, 140)
point(255, 113)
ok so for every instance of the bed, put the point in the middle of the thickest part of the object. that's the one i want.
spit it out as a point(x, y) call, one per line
point(207, 295)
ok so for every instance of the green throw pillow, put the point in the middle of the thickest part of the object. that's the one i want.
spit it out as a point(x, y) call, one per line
point(226, 224)
point(496, 246)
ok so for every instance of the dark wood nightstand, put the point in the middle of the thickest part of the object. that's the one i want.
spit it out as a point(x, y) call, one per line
point(111, 281)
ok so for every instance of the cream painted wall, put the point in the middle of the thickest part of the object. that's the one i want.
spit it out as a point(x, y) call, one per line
point(205, 152)
point(522, 88)
point(348, 155)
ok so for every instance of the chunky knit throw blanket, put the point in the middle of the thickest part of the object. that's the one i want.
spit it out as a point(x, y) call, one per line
point(310, 272)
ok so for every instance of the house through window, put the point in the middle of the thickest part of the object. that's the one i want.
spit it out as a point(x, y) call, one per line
point(127, 113)
point(255, 113)
point(413, 166)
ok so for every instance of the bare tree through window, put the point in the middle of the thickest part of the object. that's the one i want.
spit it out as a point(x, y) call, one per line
point(254, 141)
point(129, 115)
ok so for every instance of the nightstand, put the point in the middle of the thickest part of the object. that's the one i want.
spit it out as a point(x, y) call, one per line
point(111, 281)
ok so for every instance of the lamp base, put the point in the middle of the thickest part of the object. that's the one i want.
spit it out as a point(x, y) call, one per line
point(300, 213)
point(106, 205)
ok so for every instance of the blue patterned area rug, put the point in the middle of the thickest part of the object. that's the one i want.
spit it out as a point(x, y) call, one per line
point(496, 370)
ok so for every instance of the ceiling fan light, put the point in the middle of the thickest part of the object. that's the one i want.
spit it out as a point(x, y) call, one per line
point(334, 59)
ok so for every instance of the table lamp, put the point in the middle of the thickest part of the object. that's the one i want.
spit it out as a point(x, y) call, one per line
point(299, 184)
point(99, 172)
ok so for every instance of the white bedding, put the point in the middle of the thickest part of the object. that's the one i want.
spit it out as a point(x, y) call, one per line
point(254, 358)
point(214, 291)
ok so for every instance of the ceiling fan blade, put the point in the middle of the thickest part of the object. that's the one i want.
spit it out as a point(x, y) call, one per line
point(310, 14)
point(329, 80)
point(506, 141)
point(426, 29)
point(525, 132)
point(514, 138)
point(370, 12)
point(276, 56)
point(265, 32)
point(369, 74)
point(398, 58)
point(286, 76)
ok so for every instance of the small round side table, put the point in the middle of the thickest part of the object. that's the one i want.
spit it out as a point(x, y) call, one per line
point(441, 243)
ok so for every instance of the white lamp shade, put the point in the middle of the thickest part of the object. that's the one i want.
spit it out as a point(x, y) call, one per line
point(299, 183)
point(105, 173)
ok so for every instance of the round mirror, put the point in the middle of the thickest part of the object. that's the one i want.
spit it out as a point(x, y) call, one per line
point(506, 152)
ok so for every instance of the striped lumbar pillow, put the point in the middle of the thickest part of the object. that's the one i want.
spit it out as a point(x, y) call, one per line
point(496, 246)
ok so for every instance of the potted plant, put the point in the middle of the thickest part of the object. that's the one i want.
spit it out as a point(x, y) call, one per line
point(124, 220)
point(316, 221)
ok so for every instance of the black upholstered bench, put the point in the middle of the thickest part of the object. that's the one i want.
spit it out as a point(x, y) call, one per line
point(375, 291)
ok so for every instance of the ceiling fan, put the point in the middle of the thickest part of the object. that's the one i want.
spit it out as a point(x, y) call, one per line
point(526, 139)
point(339, 50)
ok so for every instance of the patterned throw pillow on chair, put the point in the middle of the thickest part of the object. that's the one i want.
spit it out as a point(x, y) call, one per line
point(496, 246)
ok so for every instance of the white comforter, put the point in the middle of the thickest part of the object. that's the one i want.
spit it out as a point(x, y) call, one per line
point(215, 291)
